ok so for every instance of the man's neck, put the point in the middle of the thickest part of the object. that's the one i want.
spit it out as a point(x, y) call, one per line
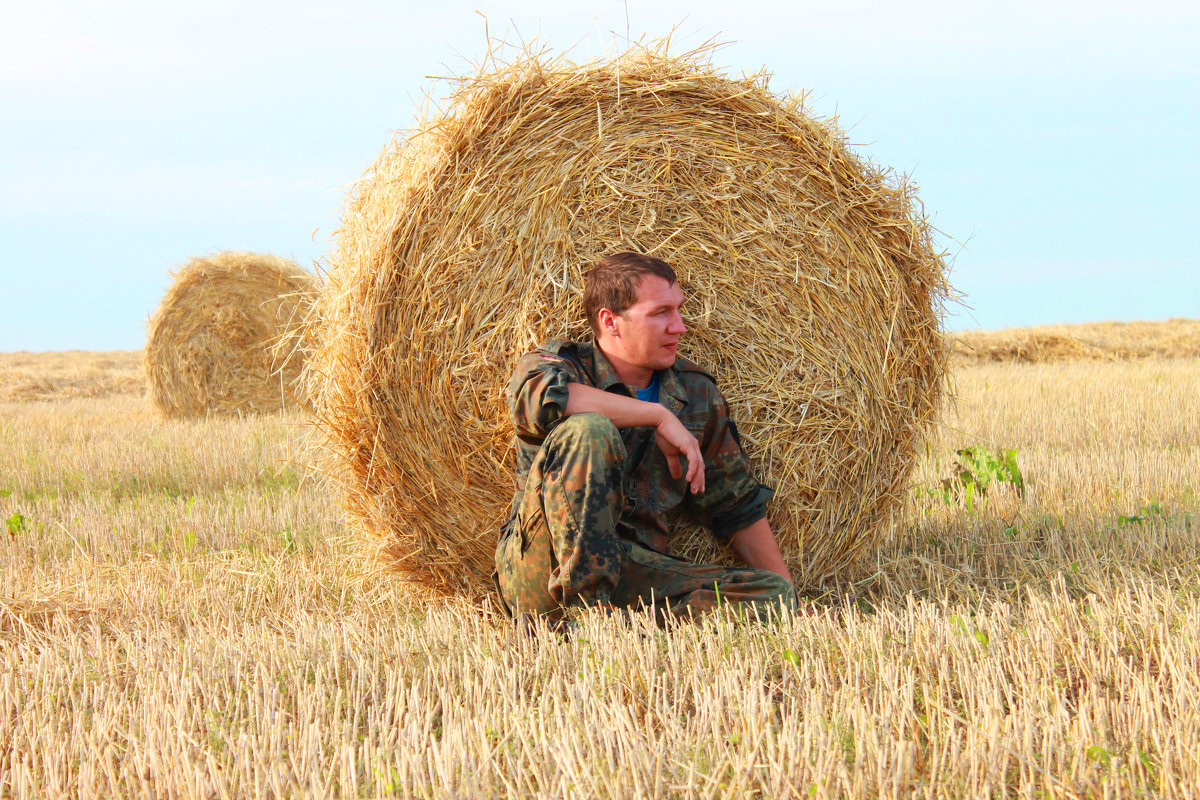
point(632, 376)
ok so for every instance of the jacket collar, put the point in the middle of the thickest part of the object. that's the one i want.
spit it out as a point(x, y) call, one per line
point(605, 374)
point(670, 390)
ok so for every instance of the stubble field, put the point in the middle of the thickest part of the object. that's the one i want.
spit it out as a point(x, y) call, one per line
point(182, 614)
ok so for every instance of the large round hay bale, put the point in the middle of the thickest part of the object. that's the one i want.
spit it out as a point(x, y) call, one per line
point(225, 338)
point(815, 298)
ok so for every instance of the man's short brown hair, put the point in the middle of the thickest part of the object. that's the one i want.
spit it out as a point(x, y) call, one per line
point(612, 283)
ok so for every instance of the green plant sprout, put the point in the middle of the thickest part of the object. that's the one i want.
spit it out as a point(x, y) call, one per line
point(975, 470)
point(15, 524)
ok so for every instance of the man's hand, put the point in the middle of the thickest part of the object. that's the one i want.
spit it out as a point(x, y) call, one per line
point(674, 440)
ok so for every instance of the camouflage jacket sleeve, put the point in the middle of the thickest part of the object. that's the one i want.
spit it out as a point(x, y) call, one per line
point(537, 392)
point(732, 498)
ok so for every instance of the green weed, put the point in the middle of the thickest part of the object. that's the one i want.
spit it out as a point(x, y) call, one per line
point(16, 524)
point(1152, 509)
point(974, 472)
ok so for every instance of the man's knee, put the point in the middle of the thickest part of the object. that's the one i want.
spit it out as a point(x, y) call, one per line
point(781, 590)
point(587, 432)
point(767, 590)
point(586, 427)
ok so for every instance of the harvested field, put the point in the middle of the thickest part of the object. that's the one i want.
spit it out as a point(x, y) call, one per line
point(1175, 338)
point(182, 616)
point(48, 376)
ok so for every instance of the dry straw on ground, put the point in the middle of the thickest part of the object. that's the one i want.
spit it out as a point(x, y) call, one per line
point(226, 337)
point(75, 373)
point(1104, 341)
point(814, 297)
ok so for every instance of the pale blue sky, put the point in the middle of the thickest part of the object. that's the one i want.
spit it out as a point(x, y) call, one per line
point(1056, 144)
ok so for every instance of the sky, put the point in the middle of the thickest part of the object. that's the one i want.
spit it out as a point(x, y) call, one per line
point(1056, 144)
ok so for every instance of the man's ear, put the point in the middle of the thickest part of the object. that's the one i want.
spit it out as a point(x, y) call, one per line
point(608, 321)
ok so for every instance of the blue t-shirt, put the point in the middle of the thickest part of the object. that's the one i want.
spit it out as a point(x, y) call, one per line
point(650, 393)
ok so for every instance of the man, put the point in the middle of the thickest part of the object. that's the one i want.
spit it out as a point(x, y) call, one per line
point(613, 436)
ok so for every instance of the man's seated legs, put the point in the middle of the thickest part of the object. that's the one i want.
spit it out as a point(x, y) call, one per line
point(682, 589)
point(562, 549)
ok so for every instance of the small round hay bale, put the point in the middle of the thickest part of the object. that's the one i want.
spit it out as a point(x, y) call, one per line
point(815, 296)
point(225, 339)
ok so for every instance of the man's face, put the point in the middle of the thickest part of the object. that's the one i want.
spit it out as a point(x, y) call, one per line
point(647, 333)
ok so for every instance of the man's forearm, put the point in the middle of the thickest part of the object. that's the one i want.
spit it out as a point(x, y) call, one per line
point(757, 546)
point(625, 412)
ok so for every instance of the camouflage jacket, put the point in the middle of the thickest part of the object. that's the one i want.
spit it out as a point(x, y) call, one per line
point(732, 499)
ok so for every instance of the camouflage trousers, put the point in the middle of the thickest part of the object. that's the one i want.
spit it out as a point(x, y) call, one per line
point(562, 549)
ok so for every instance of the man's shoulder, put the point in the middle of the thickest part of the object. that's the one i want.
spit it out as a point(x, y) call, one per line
point(565, 347)
point(562, 352)
point(578, 354)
